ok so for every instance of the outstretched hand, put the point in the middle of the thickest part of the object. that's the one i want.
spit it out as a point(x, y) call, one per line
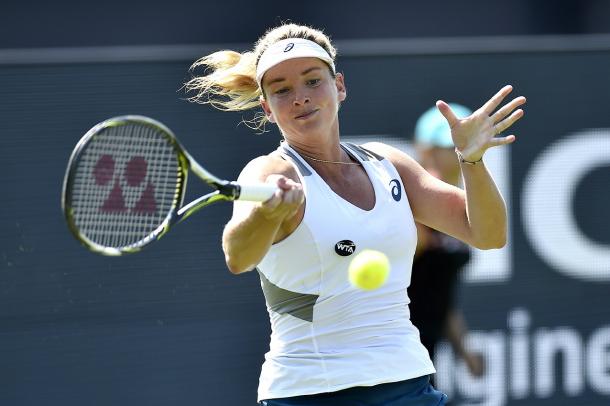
point(474, 134)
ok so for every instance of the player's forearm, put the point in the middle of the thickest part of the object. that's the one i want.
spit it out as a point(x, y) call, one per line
point(485, 207)
point(245, 242)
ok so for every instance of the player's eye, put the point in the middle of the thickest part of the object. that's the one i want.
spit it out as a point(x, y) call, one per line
point(281, 91)
point(313, 82)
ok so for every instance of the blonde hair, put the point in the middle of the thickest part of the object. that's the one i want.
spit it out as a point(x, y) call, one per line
point(229, 78)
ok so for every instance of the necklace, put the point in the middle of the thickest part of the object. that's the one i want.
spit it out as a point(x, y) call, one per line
point(326, 161)
point(330, 162)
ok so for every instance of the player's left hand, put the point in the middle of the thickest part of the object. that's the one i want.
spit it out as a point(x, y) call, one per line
point(474, 134)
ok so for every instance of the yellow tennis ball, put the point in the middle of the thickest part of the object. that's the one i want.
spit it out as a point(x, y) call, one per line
point(369, 269)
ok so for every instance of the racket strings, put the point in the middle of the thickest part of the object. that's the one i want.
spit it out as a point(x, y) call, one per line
point(125, 186)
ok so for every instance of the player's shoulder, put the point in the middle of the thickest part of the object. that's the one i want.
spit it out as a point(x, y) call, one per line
point(270, 164)
point(393, 154)
point(409, 169)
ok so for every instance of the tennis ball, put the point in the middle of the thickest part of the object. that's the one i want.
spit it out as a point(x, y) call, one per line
point(369, 269)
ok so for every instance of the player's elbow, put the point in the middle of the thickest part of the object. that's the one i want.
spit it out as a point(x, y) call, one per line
point(490, 246)
point(236, 266)
point(234, 258)
point(501, 243)
point(491, 242)
point(235, 269)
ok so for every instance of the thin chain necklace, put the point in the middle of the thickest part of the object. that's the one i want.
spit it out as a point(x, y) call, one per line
point(326, 161)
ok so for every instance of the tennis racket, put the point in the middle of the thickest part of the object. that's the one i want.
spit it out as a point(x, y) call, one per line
point(125, 182)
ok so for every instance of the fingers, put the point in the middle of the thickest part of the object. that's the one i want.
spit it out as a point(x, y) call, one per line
point(282, 182)
point(495, 101)
point(480, 131)
point(293, 196)
point(290, 191)
point(507, 109)
point(506, 123)
point(446, 111)
point(497, 141)
point(286, 200)
point(502, 122)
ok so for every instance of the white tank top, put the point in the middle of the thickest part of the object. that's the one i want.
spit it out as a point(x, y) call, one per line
point(326, 334)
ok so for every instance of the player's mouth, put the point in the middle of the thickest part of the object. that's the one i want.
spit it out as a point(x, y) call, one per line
point(306, 115)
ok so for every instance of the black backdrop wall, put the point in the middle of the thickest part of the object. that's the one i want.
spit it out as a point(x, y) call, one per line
point(171, 325)
point(77, 23)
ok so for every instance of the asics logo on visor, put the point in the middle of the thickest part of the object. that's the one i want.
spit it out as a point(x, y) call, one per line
point(287, 49)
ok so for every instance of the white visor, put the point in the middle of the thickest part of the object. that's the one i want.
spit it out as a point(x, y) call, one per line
point(290, 48)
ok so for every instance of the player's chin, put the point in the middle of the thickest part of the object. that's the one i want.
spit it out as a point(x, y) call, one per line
point(315, 124)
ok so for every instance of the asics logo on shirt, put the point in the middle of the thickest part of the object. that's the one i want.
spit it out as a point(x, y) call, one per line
point(345, 248)
point(396, 190)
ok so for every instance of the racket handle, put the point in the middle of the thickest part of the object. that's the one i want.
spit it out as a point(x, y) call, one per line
point(257, 192)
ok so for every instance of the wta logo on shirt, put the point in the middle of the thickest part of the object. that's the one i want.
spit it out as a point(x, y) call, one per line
point(345, 248)
point(396, 189)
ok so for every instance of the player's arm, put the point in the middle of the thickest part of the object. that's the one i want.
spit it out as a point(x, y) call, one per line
point(254, 227)
point(476, 216)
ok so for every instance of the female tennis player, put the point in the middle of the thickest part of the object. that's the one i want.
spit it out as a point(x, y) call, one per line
point(332, 343)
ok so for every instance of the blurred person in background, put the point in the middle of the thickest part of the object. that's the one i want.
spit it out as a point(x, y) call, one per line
point(439, 258)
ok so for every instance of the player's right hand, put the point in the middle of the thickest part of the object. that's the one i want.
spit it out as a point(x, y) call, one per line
point(286, 201)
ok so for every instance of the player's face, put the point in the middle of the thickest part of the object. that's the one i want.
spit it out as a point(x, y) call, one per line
point(301, 95)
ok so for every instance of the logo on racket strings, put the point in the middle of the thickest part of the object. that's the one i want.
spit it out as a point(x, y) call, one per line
point(134, 174)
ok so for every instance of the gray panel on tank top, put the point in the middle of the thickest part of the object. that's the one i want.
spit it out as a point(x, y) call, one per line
point(282, 301)
point(363, 153)
point(302, 168)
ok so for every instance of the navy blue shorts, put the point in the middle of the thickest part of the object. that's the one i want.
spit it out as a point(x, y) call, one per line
point(412, 392)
